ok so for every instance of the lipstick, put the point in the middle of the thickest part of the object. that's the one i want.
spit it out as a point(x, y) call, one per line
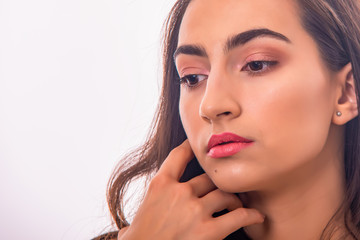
point(226, 144)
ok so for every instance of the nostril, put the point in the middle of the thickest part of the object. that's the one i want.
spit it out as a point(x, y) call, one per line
point(224, 113)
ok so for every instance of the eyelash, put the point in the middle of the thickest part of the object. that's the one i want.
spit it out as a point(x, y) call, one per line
point(269, 65)
point(185, 80)
point(247, 68)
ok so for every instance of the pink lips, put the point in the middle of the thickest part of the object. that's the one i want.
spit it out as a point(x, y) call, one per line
point(226, 144)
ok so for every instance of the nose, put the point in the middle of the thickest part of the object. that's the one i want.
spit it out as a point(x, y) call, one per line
point(220, 100)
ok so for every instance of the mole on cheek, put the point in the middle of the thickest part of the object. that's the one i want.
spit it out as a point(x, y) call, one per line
point(215, 170)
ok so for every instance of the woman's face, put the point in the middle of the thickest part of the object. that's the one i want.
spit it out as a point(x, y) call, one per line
point(252, 70)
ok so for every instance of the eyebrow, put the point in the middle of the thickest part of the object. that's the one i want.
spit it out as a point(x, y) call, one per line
point(232, 42)
point(195, 50)
point(244, 37)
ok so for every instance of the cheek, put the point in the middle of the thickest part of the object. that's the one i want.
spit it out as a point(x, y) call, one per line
point(189, 114)
point(295, 116)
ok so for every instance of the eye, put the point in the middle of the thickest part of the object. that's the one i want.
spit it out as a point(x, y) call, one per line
point(192, 80)
point(257, 67)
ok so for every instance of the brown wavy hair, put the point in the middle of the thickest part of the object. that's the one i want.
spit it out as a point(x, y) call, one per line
point(333, 24)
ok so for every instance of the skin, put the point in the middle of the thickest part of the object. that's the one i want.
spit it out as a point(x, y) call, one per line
point(173, 210)
point(293, 172)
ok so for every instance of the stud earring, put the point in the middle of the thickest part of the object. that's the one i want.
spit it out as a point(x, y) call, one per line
point(338, 113)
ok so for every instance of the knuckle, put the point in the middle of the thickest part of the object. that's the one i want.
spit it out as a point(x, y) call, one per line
point(176, 151)
point(231, 199)
point(196, 207)
point(183, 190)
point(235, 200)
point(223, 195)
point(158, 182)
point(243, 213)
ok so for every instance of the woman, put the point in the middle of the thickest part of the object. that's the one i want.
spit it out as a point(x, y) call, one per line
point(264, 95)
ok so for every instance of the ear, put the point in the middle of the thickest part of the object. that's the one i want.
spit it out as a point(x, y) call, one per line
point(346, 107)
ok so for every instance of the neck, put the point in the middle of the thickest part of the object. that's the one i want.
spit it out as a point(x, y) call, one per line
point(302, 208)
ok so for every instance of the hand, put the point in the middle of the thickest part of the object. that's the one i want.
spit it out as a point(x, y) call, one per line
point(174, 210)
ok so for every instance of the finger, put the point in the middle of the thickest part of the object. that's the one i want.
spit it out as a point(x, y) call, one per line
point(236, 219)
point(122, 232)
point(201, 185)
point(218, 200)
point(174, 165)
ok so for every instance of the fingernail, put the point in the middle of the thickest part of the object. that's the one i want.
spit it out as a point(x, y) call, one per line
point(262, 216)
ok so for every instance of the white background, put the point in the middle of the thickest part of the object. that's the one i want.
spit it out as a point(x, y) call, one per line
point(79, 83)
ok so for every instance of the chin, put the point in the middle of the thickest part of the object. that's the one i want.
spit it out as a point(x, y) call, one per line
point(230, 184)
point(234, 176)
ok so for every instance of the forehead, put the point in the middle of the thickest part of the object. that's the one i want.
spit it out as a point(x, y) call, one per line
point(213, 21)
